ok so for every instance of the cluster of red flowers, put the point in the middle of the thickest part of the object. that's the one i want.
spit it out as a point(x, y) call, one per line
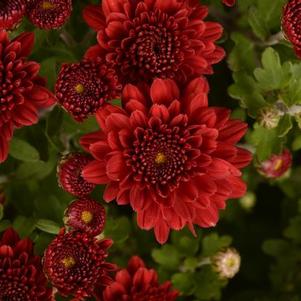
point(46, 14)
point(165, 152)
point(23, 91)
point(21, 276)
point(138, 283)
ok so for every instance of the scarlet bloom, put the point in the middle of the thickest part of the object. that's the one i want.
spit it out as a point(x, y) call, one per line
point(75, 264)
point(138, 283)
point(69, 174)
point(291, 24)
point(21, 275)
point(277, 165)
point(168, 155)
point(84, 87)
point(23, 92)
point(11, 13)
point(146, 39)
point(229, 2)
point(86, 215)
point(49, 14)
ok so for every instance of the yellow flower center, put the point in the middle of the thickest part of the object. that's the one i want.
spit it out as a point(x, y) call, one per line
point(79, 88)
point(231, 262)
point(278, 164)
point(87, 217)
point(68, 262)
point(47, 5)
point(160, 158)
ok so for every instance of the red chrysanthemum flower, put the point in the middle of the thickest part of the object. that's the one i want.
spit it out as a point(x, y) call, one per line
point(168, 155)
point(86, 215)
point(277, 165)
point(69, 174)
point(48, 14)
point(21, 274)
point(83, 88)
point(291, 24)
point(75, 264)
point(146, 39)
point(229, 2)
point(11, 13)
point(22, 92)
point(138, 283)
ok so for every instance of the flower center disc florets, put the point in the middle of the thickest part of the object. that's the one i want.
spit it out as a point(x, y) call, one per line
point(159, 157)
point(68, 262)
point(154, 46)
point(87, 217)
point(47, 5)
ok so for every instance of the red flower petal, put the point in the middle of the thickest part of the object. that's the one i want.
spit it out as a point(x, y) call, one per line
point(94, 16)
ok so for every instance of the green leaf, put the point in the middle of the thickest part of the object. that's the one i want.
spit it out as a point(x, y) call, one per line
point(24, 225)
point(285, 125)
point(242, 56)
point(293, 230)
point(185, 243)
point(296, 145)
point(182, 282)
point(273, 75)
point(48, 226)
point(37, 170)
point(213, 243)
point(266, 142)
point(208, 285)
point(292, 95)
point(117, 229)
point(168, 256)
point(258, 23)
point(271, 12)
point(246, 90)
point(22, 150)
point(276, 247)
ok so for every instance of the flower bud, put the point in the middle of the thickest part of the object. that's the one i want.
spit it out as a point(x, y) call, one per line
point(227, 263)
point(269, 117)
point(276, 166)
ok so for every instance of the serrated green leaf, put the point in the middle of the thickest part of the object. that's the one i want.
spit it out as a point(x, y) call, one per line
point(285, 125)
point(257, 23)
point(292, 95)
point(271, 12)
point(242, 56)
point(208, 285)
point(266, 141)
point(23, 151)
point(182, 282)
point(246, 90)
point(213, 243)
point(168, 256)
point(273, 75)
